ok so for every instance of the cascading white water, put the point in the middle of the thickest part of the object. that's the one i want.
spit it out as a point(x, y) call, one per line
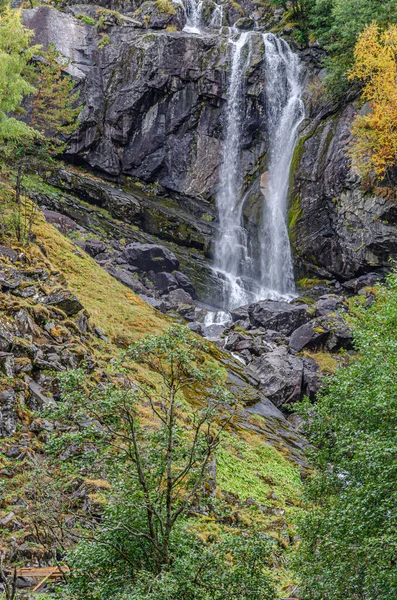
point(246, 277)
point(194, 16)
point(231, 247)
point(284, 114)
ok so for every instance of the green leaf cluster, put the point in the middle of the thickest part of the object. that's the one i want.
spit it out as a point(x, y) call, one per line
point(349, 536)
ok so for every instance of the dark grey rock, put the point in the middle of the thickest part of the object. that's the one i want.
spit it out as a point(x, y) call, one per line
point(281, 376)
point(9, 253)
point(25, 323)
point(63, 223)
point(280, 316)
point(328, 332)
point(127, 279)
point(196, 327)
point(179, 296)
point(160, 305)
point(165, 282)
point(239, 314)
point(94, 247)
point(328, 304)
point(64, 300)
point(149, 257)
point(185, 283)
point(37, 396)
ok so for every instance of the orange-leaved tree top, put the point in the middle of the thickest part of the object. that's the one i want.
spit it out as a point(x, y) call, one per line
point(374, 149)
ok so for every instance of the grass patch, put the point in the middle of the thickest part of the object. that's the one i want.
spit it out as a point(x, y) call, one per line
point(115, 309)
point(250, 468)
point(327, 362)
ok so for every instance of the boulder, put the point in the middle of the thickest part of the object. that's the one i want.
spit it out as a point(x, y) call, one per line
point(281, 376)
point(165, 282)
point(328, 332)
point(94, 247)
point(64, 300)
point(176, 297)
point(63, 223)
point(6, 252)
point(328, 304)
point(7, 364)
point(185, 283)
point(279, 316)
point(127, 279)
point(240, 313)
point(150, 257)
point(160, 305)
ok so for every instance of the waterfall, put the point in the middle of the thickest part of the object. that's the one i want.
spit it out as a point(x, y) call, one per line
point(231, 252)
point(194, 10)
point(284, 114)
point(246, 277)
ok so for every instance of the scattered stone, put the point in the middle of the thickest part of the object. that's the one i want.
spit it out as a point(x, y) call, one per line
point(196, 327)
point(127, 279)
point(94, 247)
point(65, 301)
point(328, 332)
point(12, 255)
point(281, 376)
point(63, 223)
point(185, 283)
point(25, 323)
point(7, 364)
point(38, 400)
point(165, 282)
point(240, 314)
point(101, 335)
point(8, 415)
point(160, 305)
point(328, 304)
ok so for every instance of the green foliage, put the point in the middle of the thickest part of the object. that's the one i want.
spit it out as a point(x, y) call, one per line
point(349, 536)
point(231, 568)
point(337, 24)
point(15, 53)
point(104, 41)
point(143, 546)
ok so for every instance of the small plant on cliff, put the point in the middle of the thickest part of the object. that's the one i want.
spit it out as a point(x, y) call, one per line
point(144, 545)
point(27, 143)
point(349, 534)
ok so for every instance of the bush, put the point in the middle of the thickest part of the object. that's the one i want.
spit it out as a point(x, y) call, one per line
point(349, 535)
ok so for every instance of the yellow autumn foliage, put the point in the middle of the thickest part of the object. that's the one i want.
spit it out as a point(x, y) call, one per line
point(374, 149)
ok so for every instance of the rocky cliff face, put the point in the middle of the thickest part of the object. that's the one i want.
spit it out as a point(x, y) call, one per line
point(154, 112)
point(338, 229)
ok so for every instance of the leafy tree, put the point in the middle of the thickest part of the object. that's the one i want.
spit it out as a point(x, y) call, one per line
point(158, 452)
point(15, 53)
point(52, 114)
point(349, 535)
point(375, 147)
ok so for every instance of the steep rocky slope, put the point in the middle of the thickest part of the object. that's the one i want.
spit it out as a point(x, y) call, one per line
point(59, 311)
